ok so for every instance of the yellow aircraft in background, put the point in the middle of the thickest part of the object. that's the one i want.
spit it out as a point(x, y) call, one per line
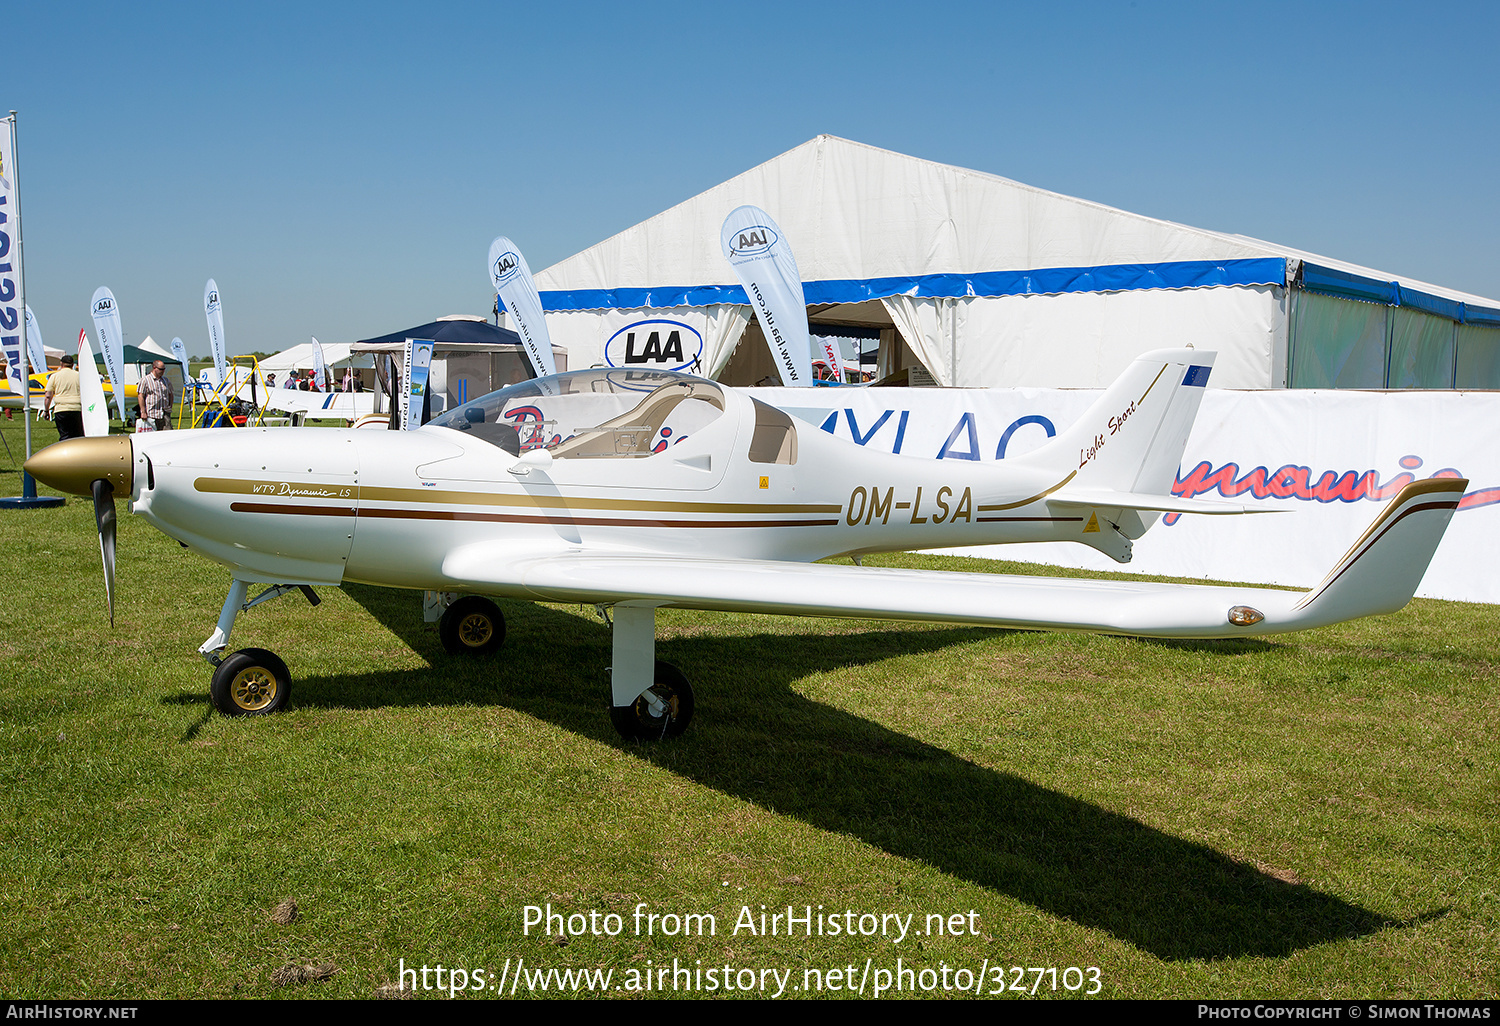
point(38, 391)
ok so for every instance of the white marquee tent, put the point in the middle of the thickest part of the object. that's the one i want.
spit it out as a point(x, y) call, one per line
point(300, 357)
point(989, 282)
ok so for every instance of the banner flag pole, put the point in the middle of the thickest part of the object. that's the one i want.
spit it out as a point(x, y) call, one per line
point(11, 273)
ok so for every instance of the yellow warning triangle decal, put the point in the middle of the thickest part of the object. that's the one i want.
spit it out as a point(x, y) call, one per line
point(1093, 524)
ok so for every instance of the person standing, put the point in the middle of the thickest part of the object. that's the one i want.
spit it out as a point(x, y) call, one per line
point(63, 402)
point(156, 397)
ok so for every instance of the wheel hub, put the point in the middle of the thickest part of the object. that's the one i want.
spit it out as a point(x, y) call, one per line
point(476, 630)
point(253, 688)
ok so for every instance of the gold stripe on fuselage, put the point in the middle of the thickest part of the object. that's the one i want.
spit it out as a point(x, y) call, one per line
point(388, 513)
point(433, 496)
point(1034, 498)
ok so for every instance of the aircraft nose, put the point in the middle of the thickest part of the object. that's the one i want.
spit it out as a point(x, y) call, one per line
point(73, 466)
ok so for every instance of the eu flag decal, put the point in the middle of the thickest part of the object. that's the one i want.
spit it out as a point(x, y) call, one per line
point(1196, 377)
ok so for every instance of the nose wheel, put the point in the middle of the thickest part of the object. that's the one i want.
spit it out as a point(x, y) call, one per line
point(252, 682)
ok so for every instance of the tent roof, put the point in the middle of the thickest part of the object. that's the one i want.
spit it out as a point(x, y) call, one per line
point(450, 330)
point(866, 223)
point(301, 357)
point(150, 345)
point(135, 354)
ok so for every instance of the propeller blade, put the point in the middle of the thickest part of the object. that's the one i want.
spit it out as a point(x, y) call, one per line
point(104, 514)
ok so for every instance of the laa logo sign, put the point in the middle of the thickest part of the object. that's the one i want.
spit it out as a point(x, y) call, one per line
point(104, 306)
point(505, 266)
point(213, 300)
point(752, 241)
point(655, 344)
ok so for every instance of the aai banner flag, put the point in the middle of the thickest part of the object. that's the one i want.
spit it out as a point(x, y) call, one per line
point(512, 280)
point(12, 328)
point(34, 348)
point(418, 364)
point(763, 262)
point(215, 314)
point(179, 353)
point(111, 342)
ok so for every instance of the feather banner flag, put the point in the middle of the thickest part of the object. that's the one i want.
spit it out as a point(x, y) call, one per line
point(215, 314)
point(111, 342)
point(517, 289)
point(763, 262)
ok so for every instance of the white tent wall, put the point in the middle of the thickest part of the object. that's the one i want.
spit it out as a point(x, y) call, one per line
point(1052, 341)
point(706, 334)
point(1081, 339)
point(1085, 339)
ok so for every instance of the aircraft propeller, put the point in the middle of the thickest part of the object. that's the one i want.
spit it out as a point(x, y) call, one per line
point(104, 516)
point(99, 467)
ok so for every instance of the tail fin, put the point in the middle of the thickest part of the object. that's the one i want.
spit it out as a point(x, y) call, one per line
point(1131, 439)
point(1382, 570)
point(1121, 457)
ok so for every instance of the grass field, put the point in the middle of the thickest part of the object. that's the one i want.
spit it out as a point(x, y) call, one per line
point(1311, 816)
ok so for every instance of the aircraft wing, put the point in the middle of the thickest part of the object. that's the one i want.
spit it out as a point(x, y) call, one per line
point(12, 399)
point(1378, 574)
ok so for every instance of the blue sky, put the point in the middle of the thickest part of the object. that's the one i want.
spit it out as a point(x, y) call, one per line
point(340, 169)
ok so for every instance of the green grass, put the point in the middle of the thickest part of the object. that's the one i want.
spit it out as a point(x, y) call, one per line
point(1311, 816)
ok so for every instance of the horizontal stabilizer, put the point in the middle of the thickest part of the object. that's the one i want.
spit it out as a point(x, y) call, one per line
point(1100, 499)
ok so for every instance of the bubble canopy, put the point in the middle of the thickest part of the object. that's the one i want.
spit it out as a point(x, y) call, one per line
point(597, 413)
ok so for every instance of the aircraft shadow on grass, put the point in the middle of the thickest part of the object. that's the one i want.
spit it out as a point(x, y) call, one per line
point(759, 740)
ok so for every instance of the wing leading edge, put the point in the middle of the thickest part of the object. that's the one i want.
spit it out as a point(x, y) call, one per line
point(1378, 574)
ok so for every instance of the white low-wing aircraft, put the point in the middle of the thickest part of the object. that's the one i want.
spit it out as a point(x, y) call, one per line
point(349, 406)
point(642, 489)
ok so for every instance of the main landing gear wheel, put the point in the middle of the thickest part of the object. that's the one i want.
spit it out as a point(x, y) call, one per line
point(663, 710)
point(472, 626)
point(252, 682)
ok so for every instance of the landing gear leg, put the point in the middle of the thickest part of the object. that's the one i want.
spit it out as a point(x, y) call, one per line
point(649, 700)
point(218, 641)
point(251, 682)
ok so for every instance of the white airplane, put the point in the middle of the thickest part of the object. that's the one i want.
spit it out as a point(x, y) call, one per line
point(349, 406)
point(639, 490)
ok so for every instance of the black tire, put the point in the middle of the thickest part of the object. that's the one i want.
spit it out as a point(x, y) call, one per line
point(636, 722)
point(472, 626)
point(252, 682)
